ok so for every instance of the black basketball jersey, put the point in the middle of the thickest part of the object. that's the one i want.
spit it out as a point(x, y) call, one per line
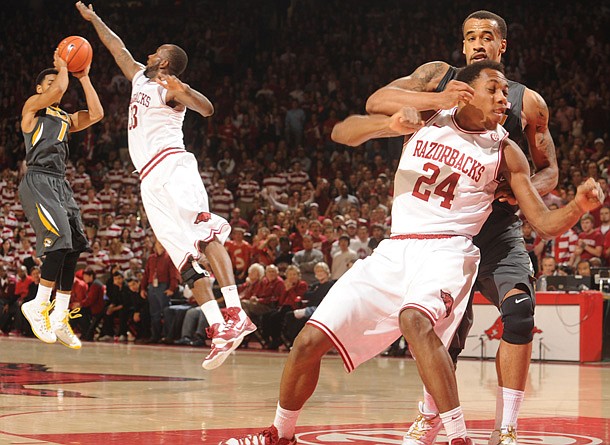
point(513, 123)
point(47, 145)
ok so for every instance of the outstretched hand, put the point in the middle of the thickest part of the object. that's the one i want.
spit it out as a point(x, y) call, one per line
point(505, 194)
point(87, 12)
point(589, 195)
point(170, 83)
point(406, 121)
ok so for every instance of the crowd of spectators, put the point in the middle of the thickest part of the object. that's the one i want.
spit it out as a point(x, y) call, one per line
point(280, 75)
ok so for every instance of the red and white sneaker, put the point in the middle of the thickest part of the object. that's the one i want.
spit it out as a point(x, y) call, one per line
point(268, 436)
point(424, 430)
point(218, 355)
point(236, 326)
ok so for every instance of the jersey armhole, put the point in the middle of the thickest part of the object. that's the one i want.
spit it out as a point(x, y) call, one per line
point(137, 76)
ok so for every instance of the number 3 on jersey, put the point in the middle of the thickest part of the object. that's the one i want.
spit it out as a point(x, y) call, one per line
point(445, 189)
point(133, 117)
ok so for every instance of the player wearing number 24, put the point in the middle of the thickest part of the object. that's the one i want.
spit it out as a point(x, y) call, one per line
point(47, 198)
point(417, 282)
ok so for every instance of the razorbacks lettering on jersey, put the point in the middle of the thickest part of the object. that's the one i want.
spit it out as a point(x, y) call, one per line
point(47, 145)
point(153, 125)
point(446, 178)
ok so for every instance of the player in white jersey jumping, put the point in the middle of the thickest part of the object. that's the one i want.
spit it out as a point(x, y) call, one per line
point(173, 194)
point(417, 283)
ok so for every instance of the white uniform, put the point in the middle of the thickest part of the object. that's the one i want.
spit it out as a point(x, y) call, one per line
point(443, 190)
point(173, 193)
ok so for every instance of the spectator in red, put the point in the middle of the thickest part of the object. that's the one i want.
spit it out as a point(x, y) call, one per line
point(267, 254)
point(91, 209)
point(88, 294)
point(119, 254)
point(271, 291)
point(241, 253)
point(271, 323)
point(159, 282)
point(8, 300)
point(108, 197)
point(297, 177)
point(253, 283)
point(23, 281)
point(21, 323)
point(109, 229)
point(296, 238)
point(237, 221)
point(590, 241)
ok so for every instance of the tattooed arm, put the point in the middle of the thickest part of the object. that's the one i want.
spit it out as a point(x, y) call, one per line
point(115, 45)
point(541, 146)
point(417, 90)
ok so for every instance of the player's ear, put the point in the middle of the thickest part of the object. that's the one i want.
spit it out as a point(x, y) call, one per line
point(39, 89)
point(502, 46)
point(464, 47)
point(164, 64)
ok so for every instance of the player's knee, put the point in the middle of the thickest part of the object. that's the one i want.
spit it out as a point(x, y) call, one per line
point(193, 272)
point(311, 344)
point(518, 318)
point(414, 325)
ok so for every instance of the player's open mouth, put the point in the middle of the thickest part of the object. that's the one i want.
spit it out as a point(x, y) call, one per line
point(479, 56)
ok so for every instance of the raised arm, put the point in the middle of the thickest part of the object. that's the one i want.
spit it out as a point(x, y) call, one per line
point(540, 141)
point(180, 92)
point(357, 129)
point(115, 45)
point(417, 90)
point(94, 112)
point(51, 96)
point(548, 223)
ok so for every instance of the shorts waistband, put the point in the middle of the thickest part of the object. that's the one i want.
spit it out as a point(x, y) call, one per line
point(150, 165)
point(46, 171)
point(423, 236)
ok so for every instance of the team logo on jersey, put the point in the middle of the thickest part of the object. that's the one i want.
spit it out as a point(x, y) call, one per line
point(495, 137)
point(203, 217)
point(47, 242)
point(448, 300)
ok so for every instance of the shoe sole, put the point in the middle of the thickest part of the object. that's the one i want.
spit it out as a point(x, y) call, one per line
point(215, 365)
point(67, 345)
point(33, 330)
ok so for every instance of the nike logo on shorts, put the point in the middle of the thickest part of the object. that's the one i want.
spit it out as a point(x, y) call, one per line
point(520, 300)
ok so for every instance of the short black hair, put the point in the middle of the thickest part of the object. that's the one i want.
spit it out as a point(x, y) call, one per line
point(471, 73)
point(486, 15)
point(177, 59)
point(44, 73)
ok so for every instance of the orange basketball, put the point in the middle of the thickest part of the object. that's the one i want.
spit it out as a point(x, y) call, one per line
point(76, 51)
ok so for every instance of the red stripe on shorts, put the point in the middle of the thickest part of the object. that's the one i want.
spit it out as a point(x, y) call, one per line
point(157, 159)
point(424, 310)
point(338, 345)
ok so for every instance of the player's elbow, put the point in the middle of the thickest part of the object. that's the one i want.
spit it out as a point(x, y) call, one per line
point(372, 104)
point(96, 116)
point(340, 136)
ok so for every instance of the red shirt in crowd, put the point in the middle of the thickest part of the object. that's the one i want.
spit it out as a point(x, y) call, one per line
point(160, 266)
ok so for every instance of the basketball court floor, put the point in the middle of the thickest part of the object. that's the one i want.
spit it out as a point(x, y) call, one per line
point(129, 394)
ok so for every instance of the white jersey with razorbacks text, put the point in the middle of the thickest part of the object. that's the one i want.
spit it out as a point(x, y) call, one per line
point(446, 178)
point(153, 125)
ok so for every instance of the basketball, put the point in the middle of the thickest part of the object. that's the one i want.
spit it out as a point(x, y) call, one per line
point(76, 51)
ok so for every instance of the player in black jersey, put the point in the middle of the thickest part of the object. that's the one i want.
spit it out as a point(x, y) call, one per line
point(505, 273)
point(47, 198)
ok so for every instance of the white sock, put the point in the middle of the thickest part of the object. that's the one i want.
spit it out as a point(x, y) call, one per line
point(429, 404)
point(62, 301)
point(212, 312)
point(499, 409)
point(285, 422)
point(43, 294)
point(512, 404)
point(454, 423)
point(231, 296)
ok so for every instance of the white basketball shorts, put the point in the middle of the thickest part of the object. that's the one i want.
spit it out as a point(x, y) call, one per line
point(361, 312)
point(177, 207)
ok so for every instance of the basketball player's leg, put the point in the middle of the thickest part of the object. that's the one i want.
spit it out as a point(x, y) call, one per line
point(61, 315)
point(436, 370)
point(507, 284)
point(49, 219)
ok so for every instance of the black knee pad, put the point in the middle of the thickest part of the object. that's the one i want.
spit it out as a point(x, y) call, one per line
point(193, 273)
point(52, 264)
point(518, 318)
